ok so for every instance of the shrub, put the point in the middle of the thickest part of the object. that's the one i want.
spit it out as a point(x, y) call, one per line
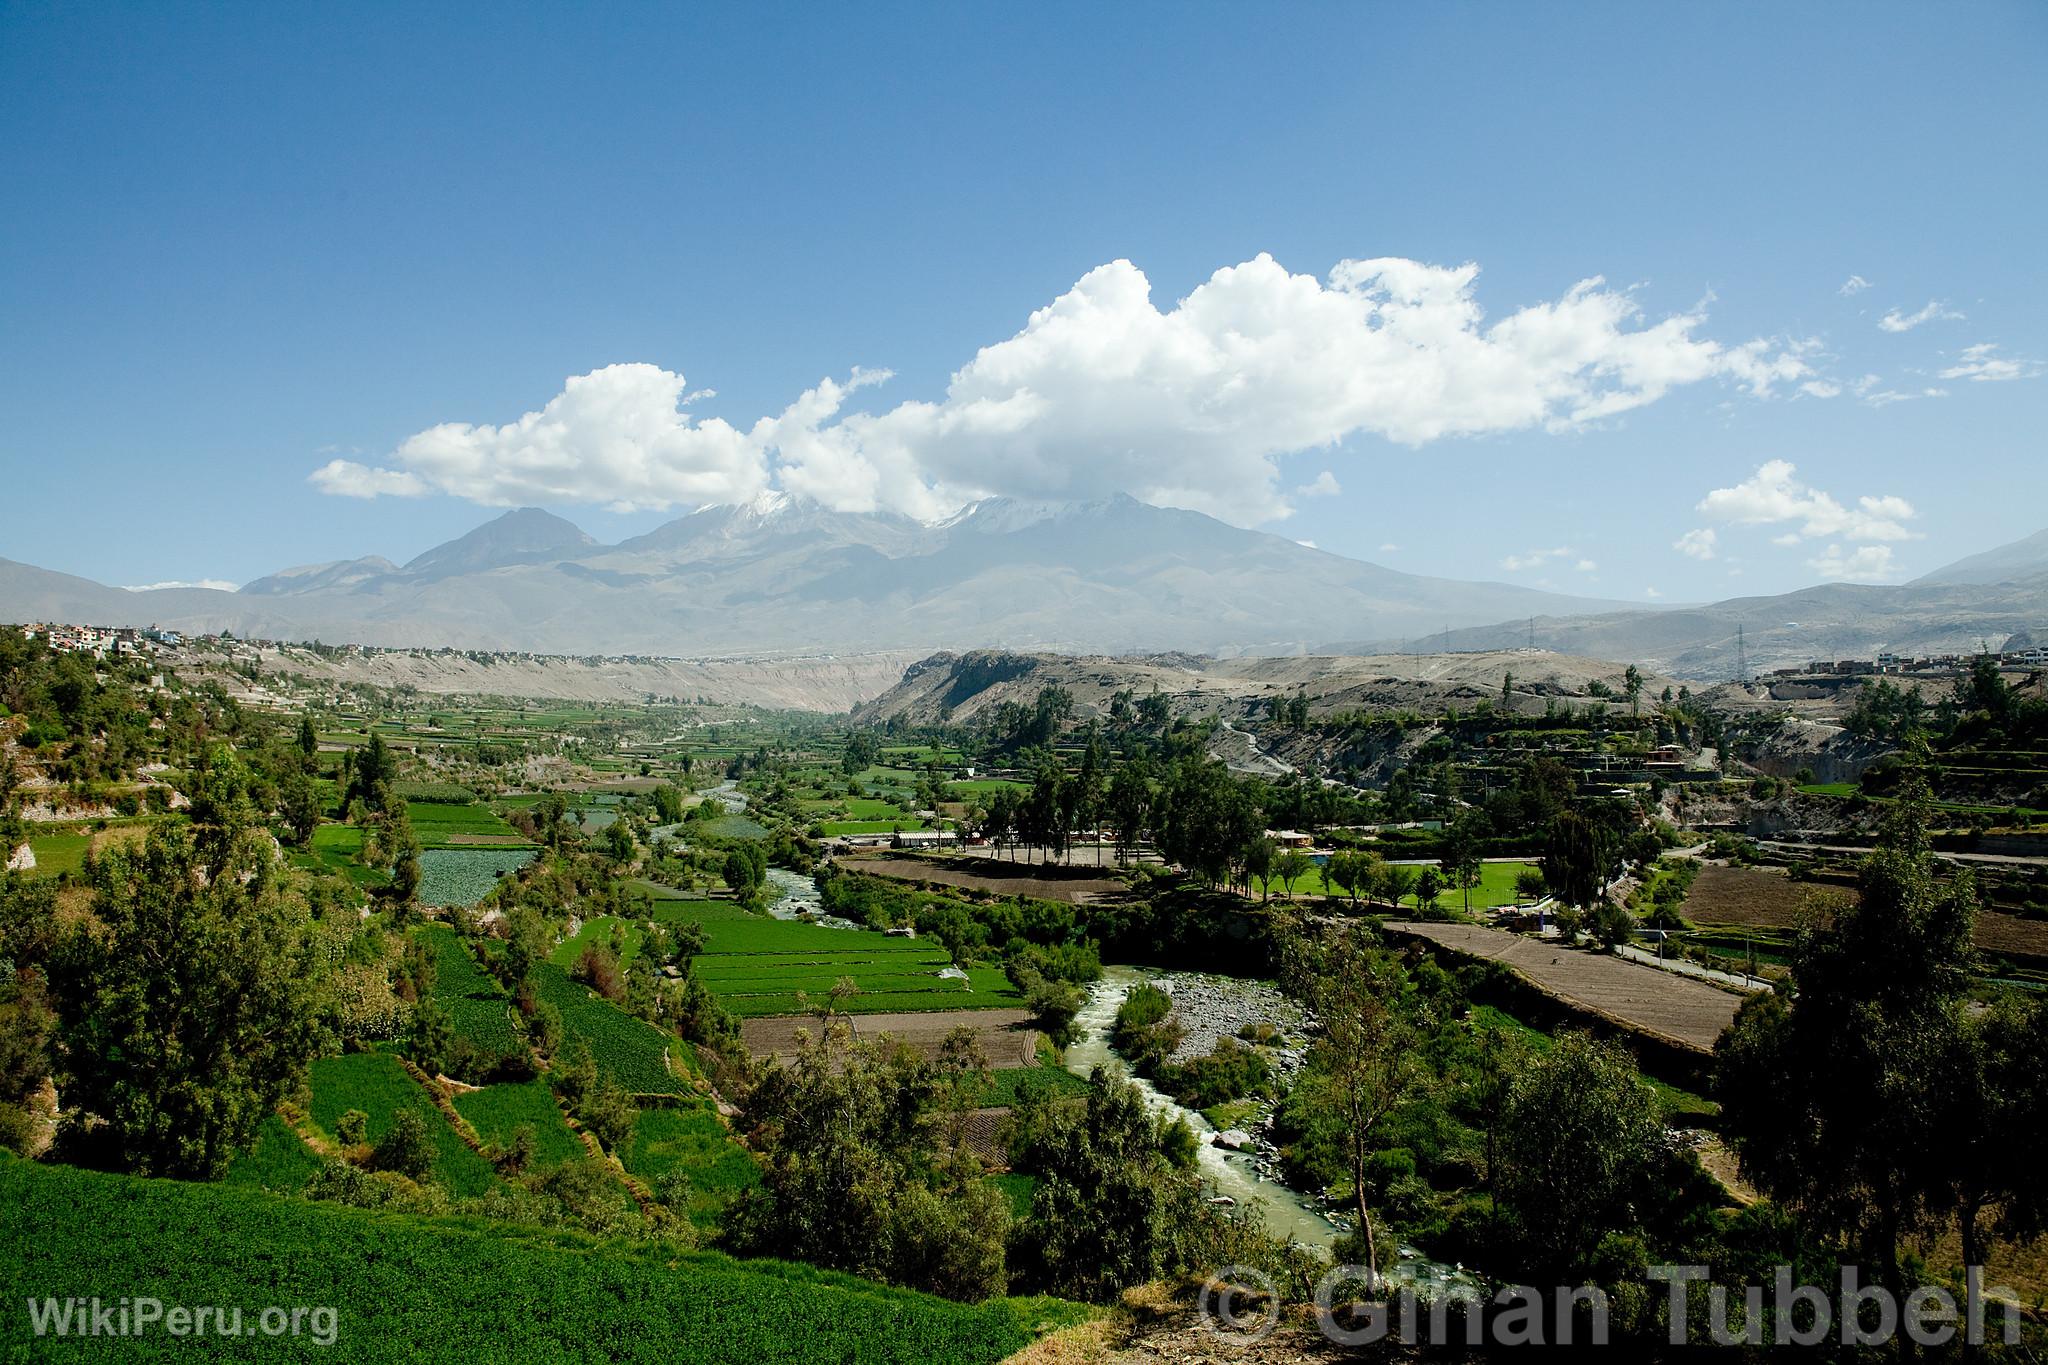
point(407, 1149)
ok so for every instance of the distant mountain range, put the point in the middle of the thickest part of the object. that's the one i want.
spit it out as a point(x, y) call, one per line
point(784, 576)
point(1983, 600)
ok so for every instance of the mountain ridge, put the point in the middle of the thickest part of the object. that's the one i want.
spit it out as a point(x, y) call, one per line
point(787, 576)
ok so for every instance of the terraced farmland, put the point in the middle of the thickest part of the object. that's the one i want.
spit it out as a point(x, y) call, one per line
point(464, 876)
point(448, 824)
point(689, 1138)
point(631, 1050)
point(477, 1006)
point(377, 1084)
point(498, 1111)
point(762, 967)
point(438, 1290)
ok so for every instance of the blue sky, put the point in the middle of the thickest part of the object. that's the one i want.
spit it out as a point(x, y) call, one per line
point(243, 243)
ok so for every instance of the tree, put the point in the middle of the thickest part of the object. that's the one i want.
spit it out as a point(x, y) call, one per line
point(430, 1036)
point(299, 803)
point(309, 741)
point(1290, 867)
point(1364, 1065)
point(191, 1005)
point(1839, 1088)
point(1259, 857)
point(1577, 858)
point(1116, 1203)
point(1632, 685)
point(1461, 864)
point(1429, 884)
point(1579, 1147)
point(854, 1176)
point(1130, 804)
point(407, 1146)
point(1400, 882)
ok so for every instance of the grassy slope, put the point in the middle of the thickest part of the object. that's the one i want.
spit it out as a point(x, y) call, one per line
point(375, 1083)
point(451, 1290)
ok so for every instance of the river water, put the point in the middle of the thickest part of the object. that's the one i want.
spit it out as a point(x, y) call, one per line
point(1286, 1213)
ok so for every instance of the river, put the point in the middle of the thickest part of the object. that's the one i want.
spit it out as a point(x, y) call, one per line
point(1285, 1212)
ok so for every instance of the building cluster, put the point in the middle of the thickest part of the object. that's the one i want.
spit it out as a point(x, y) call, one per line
point(1908, 663)
point(102, 641)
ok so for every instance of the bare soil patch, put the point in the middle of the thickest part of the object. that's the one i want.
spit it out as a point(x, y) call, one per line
point(1764, 899)
point(1006, 1036)
point(1073, 886)
point(1664, 1005)
point(1757, 897)
point(1999, 932)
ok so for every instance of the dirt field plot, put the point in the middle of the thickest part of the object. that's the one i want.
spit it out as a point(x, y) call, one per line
point(1661, 1004)
point(2011, 935)
point(1748, 897)
point(1046, 883)
point(1756, 897)
point(1005, 1035)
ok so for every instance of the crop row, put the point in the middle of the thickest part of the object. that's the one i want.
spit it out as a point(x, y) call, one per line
point(628, 1049)
point(443, 1291)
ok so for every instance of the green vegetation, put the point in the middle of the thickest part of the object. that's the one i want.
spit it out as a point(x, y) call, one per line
point(498, 1112)
point(464, 876)
point(688, 1141)
point(629, 1050)
point(377, 1085)
point(467, 1290)
point(479, 1011)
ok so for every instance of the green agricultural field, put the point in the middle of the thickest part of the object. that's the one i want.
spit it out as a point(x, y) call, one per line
point(464, 876)
point(442, 824)
point(433, 791)
point(764, 967)
point(630, 1050)
point(1496, 887)
point(869, 808)
point(919, 753)
point(597, 933)
point(983, 786)
point(498, 1111)
point(477, 1006)
point(59, 853)
point(279, 1161)
point(835, 829)
point(338, 849)
point(691, 1138)
point(733, 827)
point(377, 1084)
point(444, 1290)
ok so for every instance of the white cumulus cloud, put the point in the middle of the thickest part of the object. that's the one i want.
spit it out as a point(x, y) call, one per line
point(616, 436)
point(1699, 543)
point(1323, 485)
point(1104, 391)
point(1895, 321)
point(1855, 284)
point(1774, 494)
